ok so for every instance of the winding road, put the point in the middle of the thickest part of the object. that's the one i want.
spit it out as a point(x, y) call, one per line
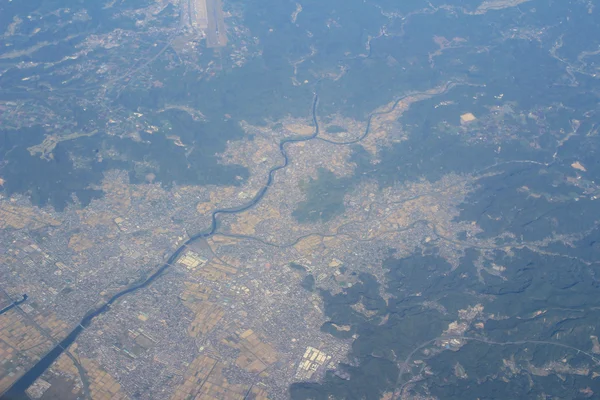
point(400, 391)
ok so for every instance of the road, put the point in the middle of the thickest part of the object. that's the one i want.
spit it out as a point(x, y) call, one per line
point(399, 392)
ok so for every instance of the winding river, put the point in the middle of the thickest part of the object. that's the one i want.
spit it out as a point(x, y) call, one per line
point(17, 391)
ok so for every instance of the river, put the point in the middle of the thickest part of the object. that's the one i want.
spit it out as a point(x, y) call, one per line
point(14, 304)
point(17, 390)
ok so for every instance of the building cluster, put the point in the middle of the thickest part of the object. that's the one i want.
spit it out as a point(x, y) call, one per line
point(192, 260)
point(312, 360)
